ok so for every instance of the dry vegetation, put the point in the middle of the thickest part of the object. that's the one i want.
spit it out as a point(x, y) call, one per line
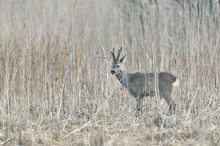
point(55, 81)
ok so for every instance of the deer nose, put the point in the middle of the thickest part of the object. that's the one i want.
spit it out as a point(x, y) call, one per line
point(113, 72)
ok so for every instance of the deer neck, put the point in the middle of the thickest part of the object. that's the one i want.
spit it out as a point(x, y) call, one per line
point(123, 78)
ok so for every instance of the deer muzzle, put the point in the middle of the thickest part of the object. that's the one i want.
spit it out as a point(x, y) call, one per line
point(113, 72)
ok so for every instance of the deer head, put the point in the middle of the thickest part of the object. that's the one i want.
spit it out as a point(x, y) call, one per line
point(117, 65)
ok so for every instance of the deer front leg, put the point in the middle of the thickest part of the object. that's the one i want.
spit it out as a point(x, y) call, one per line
point(138, 105)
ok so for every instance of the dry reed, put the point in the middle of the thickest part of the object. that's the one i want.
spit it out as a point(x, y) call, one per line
point(55, 81)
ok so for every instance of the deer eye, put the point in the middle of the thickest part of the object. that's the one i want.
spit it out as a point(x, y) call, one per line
point(118, 66)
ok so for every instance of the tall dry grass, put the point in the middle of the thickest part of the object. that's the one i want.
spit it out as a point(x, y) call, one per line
point(55, 82)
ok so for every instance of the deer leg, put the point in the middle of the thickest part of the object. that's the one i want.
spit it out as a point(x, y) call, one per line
point(172, 107)
point(138, 105)
point(171, 104)
point(166, 92)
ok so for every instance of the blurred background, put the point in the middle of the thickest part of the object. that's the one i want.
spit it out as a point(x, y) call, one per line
point(55, 63)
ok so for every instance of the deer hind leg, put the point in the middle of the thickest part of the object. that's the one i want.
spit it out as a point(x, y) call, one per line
point(172, 107)
point(171, 104)
point(166, 93)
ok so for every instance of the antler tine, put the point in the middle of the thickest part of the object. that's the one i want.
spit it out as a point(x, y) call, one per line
point(113, 54)
point(119, 53)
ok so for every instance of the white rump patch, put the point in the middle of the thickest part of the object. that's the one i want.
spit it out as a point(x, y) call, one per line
point(176, 83)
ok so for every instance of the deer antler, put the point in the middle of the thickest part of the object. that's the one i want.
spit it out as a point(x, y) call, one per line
point(119, 53)
point(113, 54)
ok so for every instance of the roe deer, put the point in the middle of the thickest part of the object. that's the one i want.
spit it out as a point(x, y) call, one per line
point(143, 84)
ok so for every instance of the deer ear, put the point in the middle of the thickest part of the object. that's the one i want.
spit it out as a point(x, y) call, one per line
point(122, 60)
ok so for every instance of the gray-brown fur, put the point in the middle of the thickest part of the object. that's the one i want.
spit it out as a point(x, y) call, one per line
point(144, 84)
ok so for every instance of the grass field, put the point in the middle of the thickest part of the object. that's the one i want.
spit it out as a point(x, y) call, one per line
point(55, 81)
